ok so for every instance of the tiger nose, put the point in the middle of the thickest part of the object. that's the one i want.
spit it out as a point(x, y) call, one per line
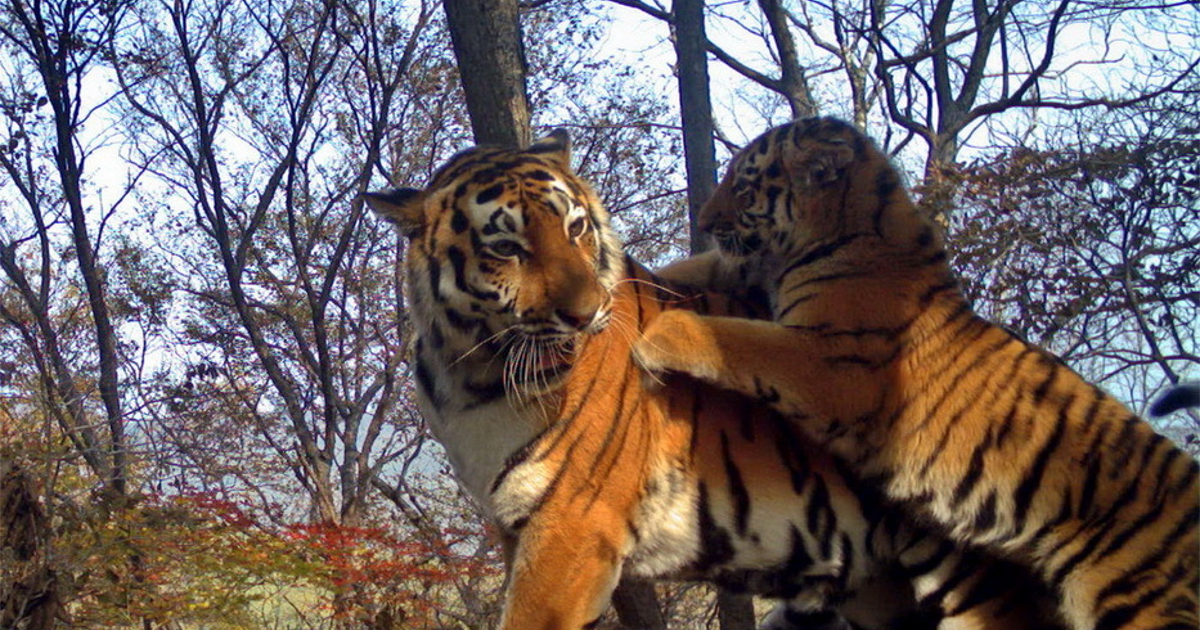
point(577, 319)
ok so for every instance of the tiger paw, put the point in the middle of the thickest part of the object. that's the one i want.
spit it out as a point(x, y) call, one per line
point(676, 341)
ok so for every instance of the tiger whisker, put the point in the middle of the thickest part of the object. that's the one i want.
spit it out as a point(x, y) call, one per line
point(481, 344)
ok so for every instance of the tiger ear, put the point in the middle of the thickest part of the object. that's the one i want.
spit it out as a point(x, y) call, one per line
point(401, 207)
point(555, 147)
point(815, 163)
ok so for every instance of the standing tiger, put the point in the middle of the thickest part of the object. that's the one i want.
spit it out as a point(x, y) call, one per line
point(875, 353)
point(526, 311)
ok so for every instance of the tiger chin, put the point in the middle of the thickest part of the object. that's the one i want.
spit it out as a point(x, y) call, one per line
point(875, 353)
point(589, 474)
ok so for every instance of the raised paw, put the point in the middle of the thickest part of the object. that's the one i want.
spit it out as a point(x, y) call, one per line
point(676, 341)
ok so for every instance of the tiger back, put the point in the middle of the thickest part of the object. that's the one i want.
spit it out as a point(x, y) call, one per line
point(525, 313)
point(875, 353)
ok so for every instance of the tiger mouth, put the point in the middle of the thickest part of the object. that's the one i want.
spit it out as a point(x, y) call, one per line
point(535, 365)
point(733, 244)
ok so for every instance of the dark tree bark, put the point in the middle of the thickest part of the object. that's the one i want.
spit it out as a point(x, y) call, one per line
point(491, 62)
point(695, 107)
point(47, 36)
point(736, 612)
point(29, 594)
point(637, 606)
point(793, 82)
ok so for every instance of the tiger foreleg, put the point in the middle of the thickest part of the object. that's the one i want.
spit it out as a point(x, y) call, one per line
point(746, 356)
point(559, 580)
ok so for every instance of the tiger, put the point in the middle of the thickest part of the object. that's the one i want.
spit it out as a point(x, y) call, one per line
point(1178, 396)
point(525, 309)
point(875, 354)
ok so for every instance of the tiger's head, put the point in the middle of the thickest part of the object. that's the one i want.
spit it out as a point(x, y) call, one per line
point(807, 181)
point(511, 254)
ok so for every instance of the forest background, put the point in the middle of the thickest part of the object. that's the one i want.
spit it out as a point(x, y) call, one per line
point(206, 418)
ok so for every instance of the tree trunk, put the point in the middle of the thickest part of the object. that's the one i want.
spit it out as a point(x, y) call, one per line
point(735, 611)
point(637, 606)
point(28, 587)
point(793, 83)
point(491, 62)
point(695, 108)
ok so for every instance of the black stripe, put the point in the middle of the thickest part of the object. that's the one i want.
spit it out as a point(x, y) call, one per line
point(425, 382)
point(790, 453)
point(957, 576)
point(1118, 541)
point(1078, 557)
point(939, 450)
point(886, 183)
point(1186, 481)
point(737, 487)
point(1118, 617)
point(782, 315)
point(1087, 495)
point(948, 286)
point(985, 518)
point(820, 517)
point(1128, 582)
point(621, 420)
point(488, 194)
point(483, 393)
point(961, 346)
point(974, 474)
point(715, 547)
point(459, 261)
point(1023, 499)
point(997, 581)
point(930, 564)
point(459, 222)
point(1043, 389)
point(818, 252)
point(799, 559)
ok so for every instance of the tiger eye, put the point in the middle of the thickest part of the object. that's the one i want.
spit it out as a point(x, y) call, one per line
point(577, 228)
point(506, 248)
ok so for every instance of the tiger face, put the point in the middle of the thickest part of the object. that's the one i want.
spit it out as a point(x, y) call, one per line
point(777, 188)
point(509, 250)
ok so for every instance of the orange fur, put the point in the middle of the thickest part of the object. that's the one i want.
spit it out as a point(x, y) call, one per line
point(591, 472)
point(876, 354)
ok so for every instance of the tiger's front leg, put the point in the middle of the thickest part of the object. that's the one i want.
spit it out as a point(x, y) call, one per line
point(561, 578)
point(803, 373)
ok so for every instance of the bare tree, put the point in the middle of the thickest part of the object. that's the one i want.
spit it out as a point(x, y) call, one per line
point(1088, 246)
point(953, 66)
point(60, 43)
point(491, 64)
point(792, 82)
point(695, 109)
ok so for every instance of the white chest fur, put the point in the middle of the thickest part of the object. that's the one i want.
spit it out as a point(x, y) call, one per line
point(479, 440)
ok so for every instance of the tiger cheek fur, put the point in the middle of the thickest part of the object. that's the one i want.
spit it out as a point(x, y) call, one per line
point(995, 441)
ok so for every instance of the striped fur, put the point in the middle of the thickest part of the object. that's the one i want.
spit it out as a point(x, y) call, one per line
point(877, 355)
point(590, 473)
